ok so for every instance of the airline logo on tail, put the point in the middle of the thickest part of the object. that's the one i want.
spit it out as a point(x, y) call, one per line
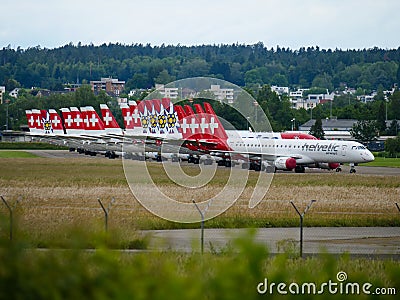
point(46, 122)
point(110, 123)
point(154, 117)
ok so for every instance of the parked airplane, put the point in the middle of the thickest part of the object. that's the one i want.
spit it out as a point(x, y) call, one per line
point(204, 131)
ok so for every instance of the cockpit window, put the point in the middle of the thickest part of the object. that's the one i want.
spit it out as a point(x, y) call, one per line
point(358, 147)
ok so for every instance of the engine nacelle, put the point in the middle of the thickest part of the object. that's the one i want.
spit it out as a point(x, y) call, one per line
point(285, 163)
point(328, 166)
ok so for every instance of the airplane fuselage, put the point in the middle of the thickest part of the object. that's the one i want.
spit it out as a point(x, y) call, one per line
point(304, 151)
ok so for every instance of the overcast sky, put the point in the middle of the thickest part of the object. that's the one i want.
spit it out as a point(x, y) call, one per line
point(345, 24)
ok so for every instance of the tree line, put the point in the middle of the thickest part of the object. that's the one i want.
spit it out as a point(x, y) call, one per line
point(141, 66)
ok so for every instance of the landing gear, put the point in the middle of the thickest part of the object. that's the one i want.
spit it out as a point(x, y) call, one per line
point(339, 169)
point(255, 165)
point(225, 162)
point(208, 162)
point(175, 158)
point(299, 169)
point(352, 168)
point(270, 169)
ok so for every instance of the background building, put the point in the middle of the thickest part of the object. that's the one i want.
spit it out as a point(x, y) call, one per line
point(2, 92)
point(112, 86)
point(171, 93)
point(222, 94)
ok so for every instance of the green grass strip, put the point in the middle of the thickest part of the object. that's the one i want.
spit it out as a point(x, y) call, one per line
point(384, 162)
point(30, 146)
point(16, 154)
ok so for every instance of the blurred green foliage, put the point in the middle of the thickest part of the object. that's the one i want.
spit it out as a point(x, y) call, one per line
point(233, 273)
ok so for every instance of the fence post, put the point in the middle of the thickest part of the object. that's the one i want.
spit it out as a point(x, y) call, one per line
point(106, 211)
point(202, 214)
point(10, 210)
point(301, 215)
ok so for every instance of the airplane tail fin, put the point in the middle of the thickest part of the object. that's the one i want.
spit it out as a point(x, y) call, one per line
point(131, 116)
point(73, 121)
point(216, 128)
point(34, 120)
point(204, 127)
point(110, 123)
point(56, 122)
point(92, 123)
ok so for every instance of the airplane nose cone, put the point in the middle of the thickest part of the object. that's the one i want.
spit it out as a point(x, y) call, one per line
point(368, 156)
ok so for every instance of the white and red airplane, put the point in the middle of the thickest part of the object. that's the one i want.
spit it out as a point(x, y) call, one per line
point(205, 132)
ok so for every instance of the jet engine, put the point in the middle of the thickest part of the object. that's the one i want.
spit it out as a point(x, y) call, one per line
point(328, 166)
point(285, 163)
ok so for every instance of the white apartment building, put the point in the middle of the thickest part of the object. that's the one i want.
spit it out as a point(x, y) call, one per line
point(311, 101)
point(171, 93)
point(222, 94)
point(296, 98)
point(280, 90)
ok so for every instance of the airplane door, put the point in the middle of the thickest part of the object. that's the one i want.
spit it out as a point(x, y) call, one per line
point(343, 150)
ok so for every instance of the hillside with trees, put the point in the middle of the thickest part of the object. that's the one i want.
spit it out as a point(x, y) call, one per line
point(141, 66)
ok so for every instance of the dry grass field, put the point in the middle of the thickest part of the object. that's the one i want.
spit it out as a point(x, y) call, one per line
point(59, 193)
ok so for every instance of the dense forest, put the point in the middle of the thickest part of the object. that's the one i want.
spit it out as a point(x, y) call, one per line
point(254, 67)
point(141, 66)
